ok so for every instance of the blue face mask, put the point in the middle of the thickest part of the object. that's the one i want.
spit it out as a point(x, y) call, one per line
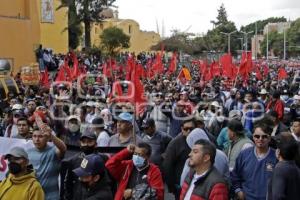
point(138, 161)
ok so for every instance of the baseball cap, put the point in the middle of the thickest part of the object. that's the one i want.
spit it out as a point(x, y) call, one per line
point(125, 117)
point(88, 135)
point(235, 114)
point(92, 164)
point(148, 123)
point(17, 107)
point(18, 152)
point(90, 104)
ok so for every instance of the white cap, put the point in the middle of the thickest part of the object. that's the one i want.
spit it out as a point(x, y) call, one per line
point(90, 103)
point(215, 103)
point(17, 107)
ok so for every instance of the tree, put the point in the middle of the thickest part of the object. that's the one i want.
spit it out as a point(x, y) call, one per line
point(214, 40)
point(87, 12)
point(222, 16)
point(74, 28)
point(293, 39)
point(113, 39)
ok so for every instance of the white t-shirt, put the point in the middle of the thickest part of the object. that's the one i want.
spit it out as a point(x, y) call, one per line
point(103, 139)
point(192, 185)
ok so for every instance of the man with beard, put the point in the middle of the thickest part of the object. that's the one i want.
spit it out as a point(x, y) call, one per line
point(88, 144)
point(203, 181)
point(21, 182)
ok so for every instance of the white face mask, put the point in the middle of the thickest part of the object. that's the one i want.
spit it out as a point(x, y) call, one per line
point(74, 128)
point(284, 97)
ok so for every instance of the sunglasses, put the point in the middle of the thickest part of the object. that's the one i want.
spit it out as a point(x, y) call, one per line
point(188, 128)
point(261, 136)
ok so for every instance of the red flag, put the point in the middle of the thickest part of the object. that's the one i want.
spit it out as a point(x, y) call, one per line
point(173, 64)
point(282, 74)
point(215, 69)
point(245, 65)
point(258, 74)
point(226, 62)
point(266, 70)
point(61, 74)
point(75, 72)
point(158, 65)
point(130, 68)
point(45, 78)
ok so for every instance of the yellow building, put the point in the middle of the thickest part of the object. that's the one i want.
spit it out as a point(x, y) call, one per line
point(139, 40)
point(25, 24)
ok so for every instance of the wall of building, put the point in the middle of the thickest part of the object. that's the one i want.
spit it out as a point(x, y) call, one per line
point(22, 32)
point(55, 35)
point(139, 40)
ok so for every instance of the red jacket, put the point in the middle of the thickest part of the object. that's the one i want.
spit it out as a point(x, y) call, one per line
point(278, 107)
point(120, 167)
point(211, 186)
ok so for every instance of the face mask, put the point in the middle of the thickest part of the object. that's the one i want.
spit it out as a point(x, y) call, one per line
point(14, 168)
point(138, 161)
point(284, 97)
point(74, 128)
point(87, 150)
point(85, 184)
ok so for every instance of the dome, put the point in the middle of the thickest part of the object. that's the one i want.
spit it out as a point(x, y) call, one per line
point(106, 13)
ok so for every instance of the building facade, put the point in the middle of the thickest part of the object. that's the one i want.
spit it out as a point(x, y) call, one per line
point(25, 24)
point(139, 40)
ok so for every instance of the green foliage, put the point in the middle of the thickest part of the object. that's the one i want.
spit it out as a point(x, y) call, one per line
point(177, 42)
point(84, 11)
point(113, 39)
point(214, 40)
point(276, 41)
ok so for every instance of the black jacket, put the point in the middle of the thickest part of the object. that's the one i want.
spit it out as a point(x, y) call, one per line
point(70, 180)
point(100, 191)
point(176, 154)
point(285, 182)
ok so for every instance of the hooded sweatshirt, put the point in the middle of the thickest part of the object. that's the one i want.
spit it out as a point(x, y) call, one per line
point(25, 187)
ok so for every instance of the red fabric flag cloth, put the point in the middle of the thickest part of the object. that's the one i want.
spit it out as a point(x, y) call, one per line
point(226, 62)
point(130, 68)
point(266, 71)
point(258, 74)
point(245, 65)
point(61, 74)
point(282, 74)
point(207, 76)
point(158, 65)
point(215, 69)
point(136, 92)
point(45, 79)
point(173, 64)
point(75, 72)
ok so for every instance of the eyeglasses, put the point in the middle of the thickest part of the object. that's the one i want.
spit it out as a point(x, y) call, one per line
point(261, 136)
point(188, 128)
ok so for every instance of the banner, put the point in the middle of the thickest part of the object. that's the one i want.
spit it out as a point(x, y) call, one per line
point(47, 11)
point(5, 145)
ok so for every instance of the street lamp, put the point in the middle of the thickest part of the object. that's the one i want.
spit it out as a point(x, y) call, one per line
point(242, 43)
point(246, 38)
point(228, 34)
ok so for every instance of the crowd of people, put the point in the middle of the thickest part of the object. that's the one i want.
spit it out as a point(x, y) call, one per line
point(197, 140)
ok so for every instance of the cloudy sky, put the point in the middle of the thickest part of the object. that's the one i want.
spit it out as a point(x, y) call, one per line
point(196, 15)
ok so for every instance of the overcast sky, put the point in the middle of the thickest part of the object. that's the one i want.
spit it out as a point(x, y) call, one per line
point(197, 14)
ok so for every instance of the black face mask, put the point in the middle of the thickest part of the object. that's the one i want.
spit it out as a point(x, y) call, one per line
point(87, 150)
point(14, 168)
point(85, 184)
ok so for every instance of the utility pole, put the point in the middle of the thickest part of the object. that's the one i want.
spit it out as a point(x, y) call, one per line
point(228, 35)
point(255, 40)
point(267, 41)
point(284, 44)
point(246, 39)
point(242, 42)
